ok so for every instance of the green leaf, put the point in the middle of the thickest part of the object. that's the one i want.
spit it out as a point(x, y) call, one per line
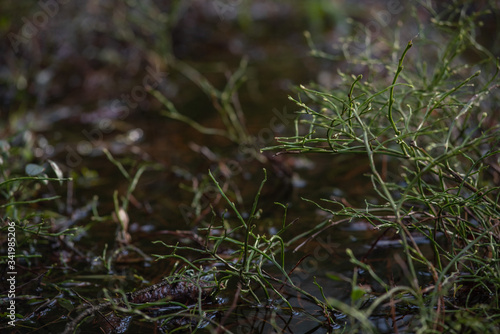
point(33, 169)
point(357, 293)
point(334, 277)
point(66, 304)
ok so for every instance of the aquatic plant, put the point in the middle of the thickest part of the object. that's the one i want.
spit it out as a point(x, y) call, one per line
point(428, 124)
point(418, 103)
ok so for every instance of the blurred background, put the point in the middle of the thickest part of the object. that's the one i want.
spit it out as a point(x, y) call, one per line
point(77, 78)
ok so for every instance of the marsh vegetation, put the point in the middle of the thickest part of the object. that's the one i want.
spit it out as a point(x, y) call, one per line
point(205, 166)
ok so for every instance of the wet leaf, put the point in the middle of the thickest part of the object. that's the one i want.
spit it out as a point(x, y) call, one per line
point(123, 218)
point(33, 169)
point(56, 170)
point(66, 304)
point(357, 293)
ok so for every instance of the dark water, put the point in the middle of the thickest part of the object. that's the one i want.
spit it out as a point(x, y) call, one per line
point(91, 56)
